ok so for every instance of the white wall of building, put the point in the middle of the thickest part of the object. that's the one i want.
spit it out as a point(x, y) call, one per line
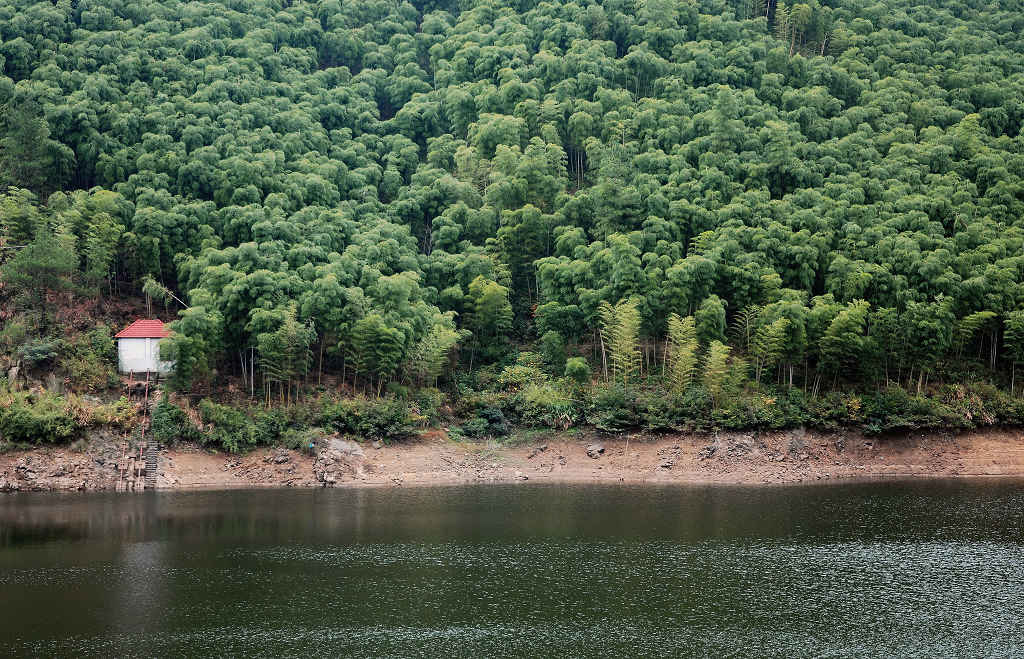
point(140, 356)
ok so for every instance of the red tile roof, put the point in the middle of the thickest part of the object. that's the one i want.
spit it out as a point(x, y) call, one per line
point(144, 329)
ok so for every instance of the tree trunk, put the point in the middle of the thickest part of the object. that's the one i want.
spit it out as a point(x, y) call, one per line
point(604, 358)
point(320, 369)
point(995, 339)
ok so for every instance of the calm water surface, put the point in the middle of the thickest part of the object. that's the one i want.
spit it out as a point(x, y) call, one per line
point(874, 570)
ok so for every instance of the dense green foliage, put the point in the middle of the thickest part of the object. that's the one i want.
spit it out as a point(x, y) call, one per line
point(41, 417)
point(825, 196)
point(233, 429)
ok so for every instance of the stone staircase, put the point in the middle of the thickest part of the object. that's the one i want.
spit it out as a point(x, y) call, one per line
point(152, 446)
point(152, 463)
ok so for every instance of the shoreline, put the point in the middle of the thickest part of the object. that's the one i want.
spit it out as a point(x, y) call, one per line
point(764, 458)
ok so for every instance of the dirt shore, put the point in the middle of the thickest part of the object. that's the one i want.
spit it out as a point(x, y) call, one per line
point(728, 458)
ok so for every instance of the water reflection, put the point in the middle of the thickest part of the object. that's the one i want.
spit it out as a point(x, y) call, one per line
point(927, 569)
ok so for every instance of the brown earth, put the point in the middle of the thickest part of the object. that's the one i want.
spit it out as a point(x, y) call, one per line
point(728, 458)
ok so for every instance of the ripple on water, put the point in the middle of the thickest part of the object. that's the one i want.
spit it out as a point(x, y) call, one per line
point(788, 584)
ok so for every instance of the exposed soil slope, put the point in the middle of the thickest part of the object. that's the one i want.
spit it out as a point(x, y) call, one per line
point(738, 458)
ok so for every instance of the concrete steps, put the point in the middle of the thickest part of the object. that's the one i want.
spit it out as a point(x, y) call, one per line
point(152, 463)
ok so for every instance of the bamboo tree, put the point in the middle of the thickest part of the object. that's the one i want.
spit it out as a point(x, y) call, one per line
point(285, 353)
point(743, 326)
point(681, 359)
point(767, 345)
point(1013, 339)
point(428, 356)
point(716, 371)
point(620, 332)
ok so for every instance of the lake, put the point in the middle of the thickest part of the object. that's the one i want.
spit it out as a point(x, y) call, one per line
point(926, 568)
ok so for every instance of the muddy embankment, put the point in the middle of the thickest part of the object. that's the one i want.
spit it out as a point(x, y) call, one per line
point(728, 458)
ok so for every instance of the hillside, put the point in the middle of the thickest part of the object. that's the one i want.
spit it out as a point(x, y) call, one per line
point(373, 216)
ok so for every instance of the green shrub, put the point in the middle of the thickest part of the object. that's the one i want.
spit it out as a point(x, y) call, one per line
point(37, 352)
point(91, 360)
point(170, 424)
point(397, 390)
point(896, 410)
point(384, 418)
point(99, 342)
point(998, 407)
point(341, 415)
point(300, 439)
point(612, 409)
point(470, 402)
point(660, 411)
point(497, 425)
point(476, 427)
point(528, 369)
point(273, 424)
point(13, 334)
point(542, 404)
point(970, 406)
point(428, 403)
point(227, 428)
point(230, 428)
point(37, 418)
point(757, 411)
point(121, 413)
point(578, 370)
point(552, 348)
point(90, 374)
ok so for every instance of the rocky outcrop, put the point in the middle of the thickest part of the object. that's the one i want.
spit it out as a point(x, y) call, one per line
point(90, 464)
point(39, 471)
point(338, 460)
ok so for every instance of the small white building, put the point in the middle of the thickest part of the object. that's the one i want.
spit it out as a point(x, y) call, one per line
point(138, 348)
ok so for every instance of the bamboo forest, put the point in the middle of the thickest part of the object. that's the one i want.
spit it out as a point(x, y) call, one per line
point(381, 216)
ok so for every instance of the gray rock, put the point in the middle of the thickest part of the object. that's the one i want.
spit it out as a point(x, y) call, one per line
point(595, 450)
point(345, 447)
point(378, 445)
point(340, 456)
